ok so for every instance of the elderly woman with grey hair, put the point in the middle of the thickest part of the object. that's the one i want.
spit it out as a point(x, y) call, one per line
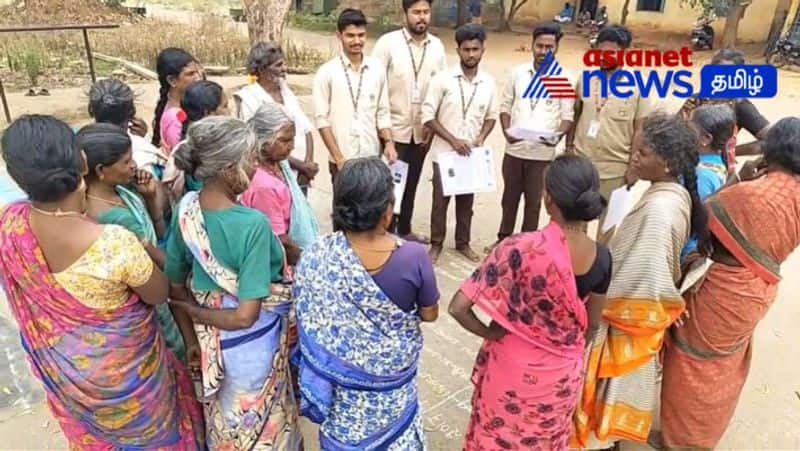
point(267, 65)
point(218, 256)
point(274, 190)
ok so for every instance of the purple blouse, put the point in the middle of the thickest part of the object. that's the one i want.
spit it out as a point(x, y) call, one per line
point(407, 278)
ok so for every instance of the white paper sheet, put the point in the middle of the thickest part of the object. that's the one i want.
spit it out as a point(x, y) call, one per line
point(467, 174)
point(530, 135)
point(619, 205)
point(399, 175)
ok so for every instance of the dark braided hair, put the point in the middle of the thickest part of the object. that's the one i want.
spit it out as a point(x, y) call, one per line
point(198, 101)
point(170, 63)
point(717, 120)
point(675, 142)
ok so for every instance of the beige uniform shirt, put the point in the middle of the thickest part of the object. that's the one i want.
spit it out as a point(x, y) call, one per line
point(355, 128)
point(544, 115)
point(401, 55)
point(604, 132)
point(460, 105)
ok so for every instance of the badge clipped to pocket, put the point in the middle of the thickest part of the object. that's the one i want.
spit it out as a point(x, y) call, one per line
point(594, 129)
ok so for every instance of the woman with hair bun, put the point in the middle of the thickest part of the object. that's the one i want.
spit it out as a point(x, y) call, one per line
point(361, 294)
point(82, 294)
point(643, 300)
point(534, 287)
point(227, 272)
point(755, 226)
point(119, 193)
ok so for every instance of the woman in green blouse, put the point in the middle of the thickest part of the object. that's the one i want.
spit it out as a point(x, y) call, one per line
point(226, 266)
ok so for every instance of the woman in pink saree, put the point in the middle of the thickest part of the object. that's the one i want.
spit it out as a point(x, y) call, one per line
point(528, 372)
point(84, 304)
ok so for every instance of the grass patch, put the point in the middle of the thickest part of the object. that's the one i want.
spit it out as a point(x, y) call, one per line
point(327, 23)
point(58, 59)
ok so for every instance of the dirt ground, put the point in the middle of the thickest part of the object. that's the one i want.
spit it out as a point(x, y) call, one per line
point(769, 409)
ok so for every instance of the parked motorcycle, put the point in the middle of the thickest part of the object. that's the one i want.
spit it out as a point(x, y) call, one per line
point(785, 51)
point(703, 33)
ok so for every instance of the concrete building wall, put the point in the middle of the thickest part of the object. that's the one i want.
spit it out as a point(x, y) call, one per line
point(676, 17)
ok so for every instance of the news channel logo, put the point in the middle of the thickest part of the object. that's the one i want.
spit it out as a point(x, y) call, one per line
point(717, 81)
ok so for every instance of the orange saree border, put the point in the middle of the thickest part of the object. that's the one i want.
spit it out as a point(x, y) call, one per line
point(644, 323)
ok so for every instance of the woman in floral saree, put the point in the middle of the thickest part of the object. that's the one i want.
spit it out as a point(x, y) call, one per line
point(528, 372)
point(83, 303)
point(361, 294)
point(234, 266)
point(755, 226)
point(620, 388)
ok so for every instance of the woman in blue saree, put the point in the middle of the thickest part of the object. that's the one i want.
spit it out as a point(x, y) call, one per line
point(361, 294)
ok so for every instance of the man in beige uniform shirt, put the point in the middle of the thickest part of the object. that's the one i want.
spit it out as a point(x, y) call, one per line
point(605, 126)
point(411, 56)
point(459, 109)
point(351, 106)
point(524, 162)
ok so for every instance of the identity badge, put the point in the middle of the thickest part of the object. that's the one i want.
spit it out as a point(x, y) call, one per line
point(736, 81)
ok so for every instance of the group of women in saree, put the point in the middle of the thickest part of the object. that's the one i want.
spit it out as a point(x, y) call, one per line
point(275, 322)
point(677, 301)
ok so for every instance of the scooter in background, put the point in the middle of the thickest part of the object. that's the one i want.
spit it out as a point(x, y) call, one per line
point(703, 33)
point(786, 51)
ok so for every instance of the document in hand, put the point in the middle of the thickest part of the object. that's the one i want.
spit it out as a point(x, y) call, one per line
point(399, 175)
point(467, 174)
point(618, 206)
point(531, 135)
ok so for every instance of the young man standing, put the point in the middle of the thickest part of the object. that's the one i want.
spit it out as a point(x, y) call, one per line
point(411, 57)
point(605, 126)
point(351, 106)
point(459, 109)
point(524, 162)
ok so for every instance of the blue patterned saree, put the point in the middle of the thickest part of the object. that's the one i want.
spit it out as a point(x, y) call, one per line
point(357, 355)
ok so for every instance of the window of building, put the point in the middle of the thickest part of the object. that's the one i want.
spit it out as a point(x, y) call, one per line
point(650, 5)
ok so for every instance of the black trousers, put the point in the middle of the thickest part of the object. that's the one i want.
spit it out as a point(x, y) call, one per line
point(414, 155)
point(521, 177)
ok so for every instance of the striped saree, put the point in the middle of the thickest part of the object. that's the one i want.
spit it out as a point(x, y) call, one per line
point(620, 390)
point(706, 361)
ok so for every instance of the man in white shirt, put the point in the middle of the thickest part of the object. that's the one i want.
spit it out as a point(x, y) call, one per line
point(459, 109)
point(524, 162)
point(351, 102)
point(412, 57)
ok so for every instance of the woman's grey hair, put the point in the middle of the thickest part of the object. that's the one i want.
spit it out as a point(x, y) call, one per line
point(267, 120)
point(363, 191)
point(263, 54)
point(213, 144)
point(717, 120)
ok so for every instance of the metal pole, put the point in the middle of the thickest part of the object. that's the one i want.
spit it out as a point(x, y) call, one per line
point(5, 102)
point(89, 54)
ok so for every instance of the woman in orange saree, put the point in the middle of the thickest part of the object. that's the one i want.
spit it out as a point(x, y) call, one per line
point(620, 389)
point(755, 227)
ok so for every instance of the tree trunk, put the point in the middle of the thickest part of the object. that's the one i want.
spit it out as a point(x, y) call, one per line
point(503, 25)
point(516, 5)
point(266, 19)
point(778, 22)
point(731, 30)
point(461, 13)
point(624, 17)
